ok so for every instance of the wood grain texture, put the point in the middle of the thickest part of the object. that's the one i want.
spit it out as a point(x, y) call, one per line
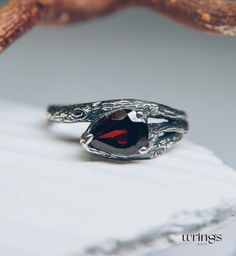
point(57, 199)
point(217, 16)
point(15, 19)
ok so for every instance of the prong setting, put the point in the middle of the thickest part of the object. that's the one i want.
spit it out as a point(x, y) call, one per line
point(128, 129)
point(143, 150)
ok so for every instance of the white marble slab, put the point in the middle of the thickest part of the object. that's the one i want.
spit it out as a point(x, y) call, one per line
point(55, 199)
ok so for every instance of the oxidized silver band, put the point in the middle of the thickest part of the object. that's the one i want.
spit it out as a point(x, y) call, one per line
point(124, 129)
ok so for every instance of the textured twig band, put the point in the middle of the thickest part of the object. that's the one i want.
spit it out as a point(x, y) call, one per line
point(121, 129)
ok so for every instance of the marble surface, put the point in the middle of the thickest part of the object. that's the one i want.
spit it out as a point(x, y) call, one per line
point(57, 199)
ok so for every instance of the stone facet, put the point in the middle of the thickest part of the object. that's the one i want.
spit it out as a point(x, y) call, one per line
point(121, 133)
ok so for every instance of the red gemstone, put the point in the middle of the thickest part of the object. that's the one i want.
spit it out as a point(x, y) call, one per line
point(121, 133)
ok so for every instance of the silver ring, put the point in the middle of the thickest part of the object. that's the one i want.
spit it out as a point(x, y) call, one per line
point(125, 129)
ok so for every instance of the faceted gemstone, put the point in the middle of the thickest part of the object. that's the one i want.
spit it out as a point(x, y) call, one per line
point(120, 133)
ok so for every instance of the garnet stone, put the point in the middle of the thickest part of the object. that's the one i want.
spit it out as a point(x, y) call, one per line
point(121, 133)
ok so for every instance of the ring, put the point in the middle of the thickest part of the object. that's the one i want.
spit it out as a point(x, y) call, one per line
point(125, 129)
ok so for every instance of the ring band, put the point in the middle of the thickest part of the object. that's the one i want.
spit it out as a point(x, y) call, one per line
point(125, 129)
